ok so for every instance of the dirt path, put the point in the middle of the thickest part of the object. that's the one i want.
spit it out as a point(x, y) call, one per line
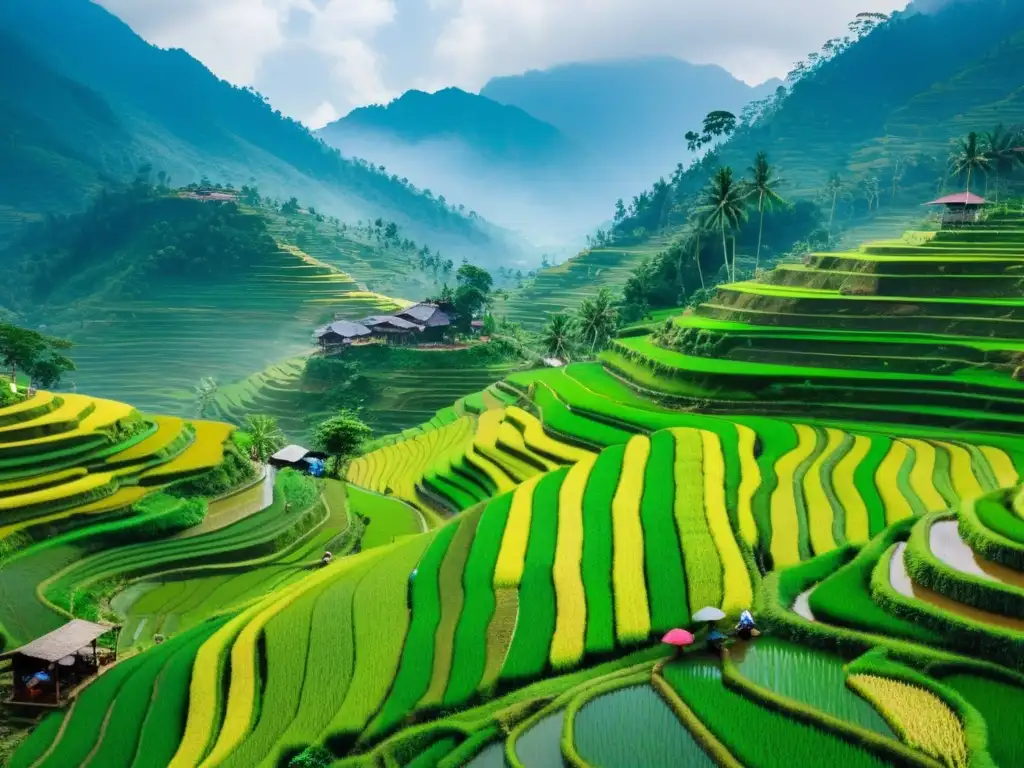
point(946, 544)
point(802, 604)
point(902, 583)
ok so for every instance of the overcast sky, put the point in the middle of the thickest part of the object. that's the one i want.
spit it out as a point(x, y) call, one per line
point(318, 59)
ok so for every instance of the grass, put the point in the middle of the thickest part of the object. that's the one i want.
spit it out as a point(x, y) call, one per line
point(332, 643)
point(747, 729)
point(451, 587)
point(470, 647)
point(531, 643)
point(999, 704)
point(386, 519)
point(662, 561)
point(597, 550)
point(381, 620)
point(413, 676)
point(701, 563)
point(813, 677)
point(737, 590)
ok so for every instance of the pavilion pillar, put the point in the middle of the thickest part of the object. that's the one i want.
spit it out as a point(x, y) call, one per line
point(56, 678)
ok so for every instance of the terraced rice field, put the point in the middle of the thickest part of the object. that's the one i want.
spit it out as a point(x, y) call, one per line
point(855, 483)
point(154, 350)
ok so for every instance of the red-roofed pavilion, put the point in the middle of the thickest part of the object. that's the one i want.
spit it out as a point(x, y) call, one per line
point(960, 208)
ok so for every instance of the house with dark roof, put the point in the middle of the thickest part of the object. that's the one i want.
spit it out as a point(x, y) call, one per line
point(393, 329)
point(337, 335)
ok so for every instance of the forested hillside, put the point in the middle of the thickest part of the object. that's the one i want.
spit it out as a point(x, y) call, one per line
point(160, 289)
point(876, 111)
point(93, 101)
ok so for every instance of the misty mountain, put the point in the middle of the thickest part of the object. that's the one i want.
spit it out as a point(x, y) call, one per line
point(631, 113)
point(513, 169)
point(92, 102)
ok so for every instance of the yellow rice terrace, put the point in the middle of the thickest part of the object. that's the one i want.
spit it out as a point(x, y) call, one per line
point(785, 525)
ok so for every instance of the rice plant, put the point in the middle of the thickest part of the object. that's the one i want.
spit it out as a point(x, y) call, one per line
point(921, 718)
point(632, 613)
point(568, 640)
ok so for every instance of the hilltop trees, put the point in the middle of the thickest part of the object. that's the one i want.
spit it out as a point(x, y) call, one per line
point(38, 356)
point(340, 437)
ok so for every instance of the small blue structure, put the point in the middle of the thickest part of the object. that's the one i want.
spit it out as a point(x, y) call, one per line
point(317, 467)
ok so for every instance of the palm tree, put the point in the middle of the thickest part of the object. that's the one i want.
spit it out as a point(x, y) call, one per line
point(265, 435)
point(971, 157)
point(597, 319)
point(557, 339)
point(763, 185)
point(724, 207)
point(1001, 151)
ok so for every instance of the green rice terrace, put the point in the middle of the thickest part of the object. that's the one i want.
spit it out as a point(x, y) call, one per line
point(548, 570)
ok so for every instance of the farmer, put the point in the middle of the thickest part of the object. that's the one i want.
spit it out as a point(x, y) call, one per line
point(715, 641)
point(746, 627)
point(326, 559)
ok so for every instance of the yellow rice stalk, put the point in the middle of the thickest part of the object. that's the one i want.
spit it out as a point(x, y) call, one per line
point(489, 468)
point(537, 438)
point(922, 476)
point(1002, 466)
point(920, 717)
point(750, 481)
point(632, 611)
point(785, 546)
point(508, 570)
point(897, 506)
point(203, 691)
point(858, 529)
point(567, 643)
point(513, 438)
point(238, 719)
point(820, 514)
point(965, 483)
point(738, 593)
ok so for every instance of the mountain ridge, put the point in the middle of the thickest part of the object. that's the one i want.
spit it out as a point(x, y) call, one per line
point(177, 116)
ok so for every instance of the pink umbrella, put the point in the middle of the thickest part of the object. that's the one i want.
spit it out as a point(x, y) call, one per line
point(678, 637)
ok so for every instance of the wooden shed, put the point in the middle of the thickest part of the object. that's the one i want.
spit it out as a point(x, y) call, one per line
point(49, 669)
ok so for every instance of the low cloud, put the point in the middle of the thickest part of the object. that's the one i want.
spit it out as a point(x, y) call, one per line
point(368, 51)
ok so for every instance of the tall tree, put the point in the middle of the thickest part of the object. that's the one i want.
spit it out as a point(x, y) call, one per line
point(38, 356)
point(557, 338)
point(597, 320)
point(340, 437)
point(724, 207)
point(763, 183)
point(971, 158)
point(1001, 151)
point(265, 435)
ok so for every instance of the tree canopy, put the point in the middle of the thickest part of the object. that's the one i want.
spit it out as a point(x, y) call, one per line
point(36, 355)
point(340, 437)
